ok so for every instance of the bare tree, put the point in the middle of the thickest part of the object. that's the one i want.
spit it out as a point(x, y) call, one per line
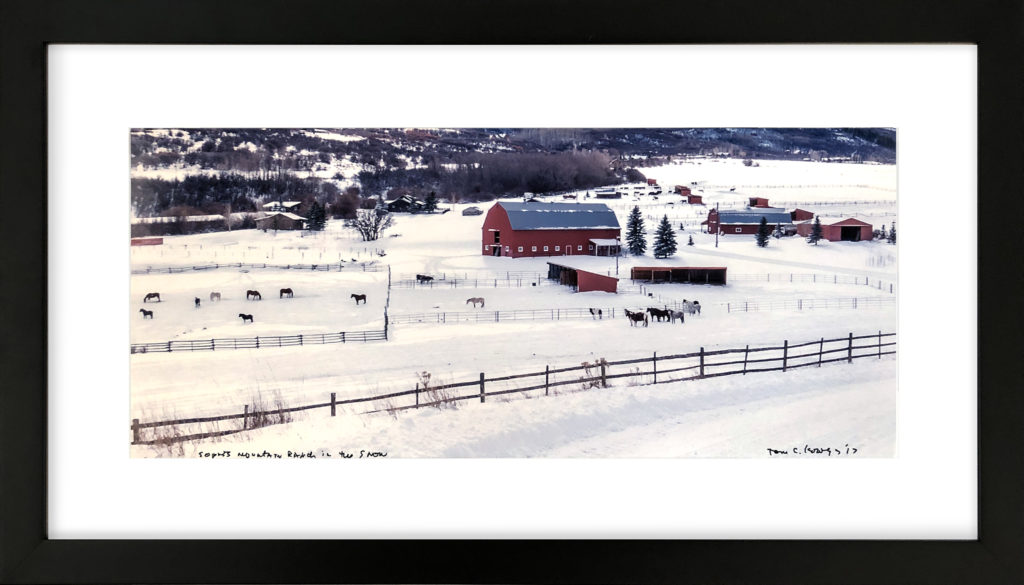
point(370, 223)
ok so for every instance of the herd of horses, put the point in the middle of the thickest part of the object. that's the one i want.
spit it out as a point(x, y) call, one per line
point(637, 317)
point(249, 295)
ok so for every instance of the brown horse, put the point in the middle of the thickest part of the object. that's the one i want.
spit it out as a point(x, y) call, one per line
point(286, 291)
point(358, 298)
point(245, 317)
point(476, 300)
point(151, 296)
point(215, 296)
point(658, 314)
point(197, 302)
point(255, 294)
point(146, 313)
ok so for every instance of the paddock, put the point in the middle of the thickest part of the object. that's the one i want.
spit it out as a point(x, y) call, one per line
point(680, 274)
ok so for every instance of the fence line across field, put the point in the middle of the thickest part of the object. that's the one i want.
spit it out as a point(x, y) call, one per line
point(681, 367)
point(220, 344)
point(499, 316)
point(335, 267)
point(746, 306)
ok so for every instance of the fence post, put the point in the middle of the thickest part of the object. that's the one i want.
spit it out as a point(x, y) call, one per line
point(854, 302)
point(785, 353)
point(821, 347)
point(604, 379)
point(300, 339)
point(879, 344)
point(746, 352)
point(257, 342)
point(654, 362)
point(417, 394)
point(168, 347)
point(890, 288)
point(482, 387)
point(849, 350)
point(702, 362)
point(334, 403)
point(245, 418)
point(728, 307)
point(135, 431)
point(343, 337)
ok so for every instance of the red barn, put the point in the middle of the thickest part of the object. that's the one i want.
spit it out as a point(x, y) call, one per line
point(550, 229)
point(801, 215)
point(758, 202)
point(694, 200)
point(652, 181)
point(747, 221)
point(682, 190)
point(838, 229)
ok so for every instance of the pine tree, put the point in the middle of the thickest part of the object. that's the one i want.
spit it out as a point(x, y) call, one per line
point(884, 235)
point(763, 231)
point(892, 233)
point(664, 239)
point(636, 239)
point(690, 243)
point(317, 217)
point(815, 231)
point(430, 205)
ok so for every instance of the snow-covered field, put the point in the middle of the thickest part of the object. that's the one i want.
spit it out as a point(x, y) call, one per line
point(731, 416)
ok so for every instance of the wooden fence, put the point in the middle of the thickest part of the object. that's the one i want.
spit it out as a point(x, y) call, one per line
point(655, 369)
point(260, 341)
point(499, 316)
point(747, 306)
point(336, 267)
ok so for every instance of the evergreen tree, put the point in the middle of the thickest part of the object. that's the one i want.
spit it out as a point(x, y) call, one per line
point(778, 231)
point(815, 231)
point(317, 217)
point(690, 243)
point(885, 234)
point(430, 205)
point(892, 233)
point(763, 231)
point(636, 239)
point(664, 239)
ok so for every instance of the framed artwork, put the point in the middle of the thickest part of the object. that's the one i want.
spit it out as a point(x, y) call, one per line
point(312, 394)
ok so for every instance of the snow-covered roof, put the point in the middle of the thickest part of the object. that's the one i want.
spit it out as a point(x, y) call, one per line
point(771, 215)
point(834, 220)
point(554, 216)
point(604, 242)
point(284, 214)
point(282, 203)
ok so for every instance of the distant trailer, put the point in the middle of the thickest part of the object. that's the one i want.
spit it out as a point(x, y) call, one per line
point(680, 274)
point(652, 181)
point(147, 241)
point(582, 280)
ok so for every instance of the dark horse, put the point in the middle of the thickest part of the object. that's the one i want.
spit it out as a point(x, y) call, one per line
point(359, 298)
point(146, 313)
point(423, 278)
point(197, 302)
point(658, 314)
point(245, 317)
point(286, 291)
point(595, 312)
point(151, 296)
point(634, 318)
point(255, 294)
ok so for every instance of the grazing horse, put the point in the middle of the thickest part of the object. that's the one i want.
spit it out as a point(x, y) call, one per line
point(658, 314)
point(638, 317)
point(595, 312)
point(197, 302)
point(286, 291)
point(151, 296)
point(691, 308)
point(476, 300)
point(255, 294)
point(146, 313)
point(358, 298)
point(215, 296)
point(245, 317)
point(423, 278)
point(673, 315)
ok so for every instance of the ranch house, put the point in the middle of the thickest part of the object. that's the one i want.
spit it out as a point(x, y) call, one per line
point(748, 220)
point(838, 229)
point(288, 206)
point(550, 229)
point(280, 220)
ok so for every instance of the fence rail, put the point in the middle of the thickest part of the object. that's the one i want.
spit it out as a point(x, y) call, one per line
point(685, 366)
point(220, 344)
point(745, 306)
point(499, 316)
point(327, 267)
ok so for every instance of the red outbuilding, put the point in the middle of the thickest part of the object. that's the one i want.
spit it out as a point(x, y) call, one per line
point(694, 200)
point(652, 181)
point(582, 280)
point(682, 190)
point(838, 229)
point(801, 215)
point(550, 229)
point(758, 202)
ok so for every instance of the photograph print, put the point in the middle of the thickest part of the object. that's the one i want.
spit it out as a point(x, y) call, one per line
point(352, 293)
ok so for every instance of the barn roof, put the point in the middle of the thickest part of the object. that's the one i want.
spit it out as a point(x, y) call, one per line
point(282, 203)
point(772, 215)
point(282, 213)
point(560, 216)
point(835, 220)
point(604, 242)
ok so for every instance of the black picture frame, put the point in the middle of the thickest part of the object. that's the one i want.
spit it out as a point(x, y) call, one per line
point(27, 555)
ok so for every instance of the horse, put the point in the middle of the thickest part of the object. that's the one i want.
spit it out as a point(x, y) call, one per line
point(151, 296)
point(635, 318)
point(691, 308)
point(673, 315)
point(476, 300)
point(245, 317)
point(146, 313)
point(214, 296)
point(658, 314)
point(595, 312)
point(423, 278)
point(197, 302)
point(358, 298)
point(286, 291)
point(255, 294)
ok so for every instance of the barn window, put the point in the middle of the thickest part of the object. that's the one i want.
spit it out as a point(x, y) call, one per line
point(520, 248)
point(591, 247)
point(506, 248)
point(579, 248)
point(558, 248)
point(533, 248)
point(545, 248)
point(738, 230)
